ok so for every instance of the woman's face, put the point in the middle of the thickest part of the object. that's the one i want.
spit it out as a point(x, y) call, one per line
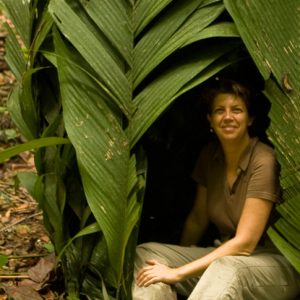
point(229, 117)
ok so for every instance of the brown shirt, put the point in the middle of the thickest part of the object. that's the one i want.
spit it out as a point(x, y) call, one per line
point(258, 177)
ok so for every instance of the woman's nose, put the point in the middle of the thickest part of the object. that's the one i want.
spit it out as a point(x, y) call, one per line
point(228, 114)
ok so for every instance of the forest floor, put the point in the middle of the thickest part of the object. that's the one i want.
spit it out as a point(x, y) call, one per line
point(26, 253)
point(24, 242)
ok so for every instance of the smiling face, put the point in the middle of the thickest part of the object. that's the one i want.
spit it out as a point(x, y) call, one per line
point(229, 118)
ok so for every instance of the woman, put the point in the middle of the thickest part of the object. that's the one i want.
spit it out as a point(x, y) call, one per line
point(238, 185)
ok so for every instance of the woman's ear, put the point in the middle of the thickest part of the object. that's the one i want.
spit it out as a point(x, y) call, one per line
point(208, 118)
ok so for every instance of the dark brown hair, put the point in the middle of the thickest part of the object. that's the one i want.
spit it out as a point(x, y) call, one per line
point(228, 86)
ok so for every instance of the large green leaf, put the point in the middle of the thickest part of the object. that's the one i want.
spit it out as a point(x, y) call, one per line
point(175, 30)
point(94, 52)
point(102, 161)
point(15, 108)
point(270, 30)
point(44, 25)
point(15, 55)
point(120, 34)
point(96, 87)
point(285, 115)
point(23, 106)
point(284, 131)
point(146, 11)
point(150, 44)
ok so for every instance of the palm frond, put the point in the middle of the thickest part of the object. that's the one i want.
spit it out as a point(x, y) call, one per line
point(271, 33)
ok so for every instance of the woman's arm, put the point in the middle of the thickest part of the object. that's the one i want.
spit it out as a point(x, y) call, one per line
point(249, 231)
point(197, 220)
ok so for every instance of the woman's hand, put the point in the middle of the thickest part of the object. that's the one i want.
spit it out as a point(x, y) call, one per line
point(157, 272)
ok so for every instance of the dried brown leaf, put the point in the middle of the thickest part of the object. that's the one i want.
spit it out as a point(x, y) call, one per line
point(37, 286)
point(22, 293)
point(41, 271)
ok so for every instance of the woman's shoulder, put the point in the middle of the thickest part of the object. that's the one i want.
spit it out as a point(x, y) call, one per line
point(264, 149)
point(263, 153)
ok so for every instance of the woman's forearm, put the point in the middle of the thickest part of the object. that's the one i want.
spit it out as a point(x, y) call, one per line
point(156, 272)
point(250, 229)
point(197, 267)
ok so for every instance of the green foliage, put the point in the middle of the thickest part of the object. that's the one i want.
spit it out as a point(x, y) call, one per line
point(42, 142)
point(101, 73)
point(270, 30)
point(3, 260)
point(93, 76)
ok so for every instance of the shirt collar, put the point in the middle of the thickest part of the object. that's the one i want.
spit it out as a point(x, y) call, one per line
point(245, 159)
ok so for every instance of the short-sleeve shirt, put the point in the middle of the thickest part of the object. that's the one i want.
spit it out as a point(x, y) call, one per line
point(257, 177)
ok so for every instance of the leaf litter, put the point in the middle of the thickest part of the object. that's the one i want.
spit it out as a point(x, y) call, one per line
point(30, 269)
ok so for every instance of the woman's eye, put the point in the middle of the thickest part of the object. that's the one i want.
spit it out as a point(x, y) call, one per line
point(237, 110)
point(219, 111)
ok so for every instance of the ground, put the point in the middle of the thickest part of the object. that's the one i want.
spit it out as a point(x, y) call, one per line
point(23, 238)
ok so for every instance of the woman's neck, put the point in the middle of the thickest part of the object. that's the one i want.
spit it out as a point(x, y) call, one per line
point(234, 150)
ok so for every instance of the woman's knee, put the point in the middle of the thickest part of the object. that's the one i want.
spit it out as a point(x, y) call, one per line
point(232, 273)
point(242, 277)
point(149, 251)
point(221, 280)
point(148, 246)
point(146, 249)
point(236, 267)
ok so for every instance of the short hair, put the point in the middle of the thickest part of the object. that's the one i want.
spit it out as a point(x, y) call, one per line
point(228, 86)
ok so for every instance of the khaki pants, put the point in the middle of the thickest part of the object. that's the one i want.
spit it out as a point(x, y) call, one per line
point(265, 275)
